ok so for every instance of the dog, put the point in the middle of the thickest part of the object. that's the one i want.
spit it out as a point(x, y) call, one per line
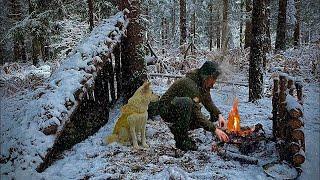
point(133, 118)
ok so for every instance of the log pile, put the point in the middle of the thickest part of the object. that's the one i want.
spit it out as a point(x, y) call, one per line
point(288, 124)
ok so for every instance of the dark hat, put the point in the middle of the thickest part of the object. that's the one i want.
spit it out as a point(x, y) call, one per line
point(210, 68)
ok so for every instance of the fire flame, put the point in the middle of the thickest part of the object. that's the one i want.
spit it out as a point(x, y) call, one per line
point(234, 118)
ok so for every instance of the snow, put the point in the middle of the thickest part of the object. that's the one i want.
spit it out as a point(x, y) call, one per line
point(292, 103)
point(23, 116)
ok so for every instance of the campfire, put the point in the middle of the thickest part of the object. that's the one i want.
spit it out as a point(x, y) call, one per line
point(233, 127)
point(246, 139)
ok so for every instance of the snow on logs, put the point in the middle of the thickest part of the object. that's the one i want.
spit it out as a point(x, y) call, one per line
point(288, 121)
point(82, 89)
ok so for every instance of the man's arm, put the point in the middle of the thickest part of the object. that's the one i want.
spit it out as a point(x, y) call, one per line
point(210, 106)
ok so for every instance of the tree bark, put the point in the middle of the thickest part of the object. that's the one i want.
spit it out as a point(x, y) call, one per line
point(296, 34)
point(193, 26)
point(281, 27)
point(268, 35)
point(210, 26)
point(90, 12)
point(241, 23)
point(134, 69)
point(183, 22)
point(218, 30)
point(248, 34)
point(225, 29)
point(257, 54)
point(173, 30)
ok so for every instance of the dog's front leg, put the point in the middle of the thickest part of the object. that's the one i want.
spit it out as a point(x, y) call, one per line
point(133, 133)
point(143, 135)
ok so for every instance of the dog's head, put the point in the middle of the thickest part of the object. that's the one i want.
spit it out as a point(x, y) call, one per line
point(146, 92)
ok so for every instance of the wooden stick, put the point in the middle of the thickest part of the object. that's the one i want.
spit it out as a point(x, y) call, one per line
point(181, 76)
point(237, 157)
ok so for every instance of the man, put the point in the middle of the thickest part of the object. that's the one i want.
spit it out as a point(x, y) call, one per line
point(180, 105)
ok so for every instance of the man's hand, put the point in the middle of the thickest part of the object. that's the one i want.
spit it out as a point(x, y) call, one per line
point(221, 135)
point(222, 122)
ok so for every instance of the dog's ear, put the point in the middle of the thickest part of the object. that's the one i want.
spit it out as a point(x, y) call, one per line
point(146, 86)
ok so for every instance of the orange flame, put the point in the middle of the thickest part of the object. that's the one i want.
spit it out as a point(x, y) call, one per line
point(234, 118)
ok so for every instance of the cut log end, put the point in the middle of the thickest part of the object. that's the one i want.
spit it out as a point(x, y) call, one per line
point(298, 158)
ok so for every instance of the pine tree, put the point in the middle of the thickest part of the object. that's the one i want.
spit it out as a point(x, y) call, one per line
point(257, 53)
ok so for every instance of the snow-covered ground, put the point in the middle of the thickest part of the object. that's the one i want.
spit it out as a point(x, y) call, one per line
point(94, 160)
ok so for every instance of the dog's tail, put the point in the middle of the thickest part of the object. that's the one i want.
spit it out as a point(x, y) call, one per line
point(112, 138)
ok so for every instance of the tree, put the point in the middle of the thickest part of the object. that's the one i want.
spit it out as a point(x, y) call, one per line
point(133, 49)
point(15, 15)
point(225, 28)
point(90, 12)
point(218, 30)
point(183, 22)
point(241, 22)
point(296, 34)
point(268, 35)
point(210, 25)
point(281, 27)
point(248, 33)
point(257, 53)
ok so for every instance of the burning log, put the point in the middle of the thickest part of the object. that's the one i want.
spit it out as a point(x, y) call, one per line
point(237, 157)
point(298, 158)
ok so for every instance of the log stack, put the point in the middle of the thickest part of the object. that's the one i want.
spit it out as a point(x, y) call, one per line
point(288, 124)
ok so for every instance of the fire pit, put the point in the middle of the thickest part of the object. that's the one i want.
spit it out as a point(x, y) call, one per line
point(245, 139)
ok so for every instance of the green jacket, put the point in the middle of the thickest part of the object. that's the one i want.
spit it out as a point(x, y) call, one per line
point(191, 86)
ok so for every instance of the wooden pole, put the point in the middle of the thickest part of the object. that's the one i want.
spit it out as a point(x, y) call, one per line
point(275, 107)
point(282, 106)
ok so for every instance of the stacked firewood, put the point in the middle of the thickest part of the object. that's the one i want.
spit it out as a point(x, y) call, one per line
point(288, 125)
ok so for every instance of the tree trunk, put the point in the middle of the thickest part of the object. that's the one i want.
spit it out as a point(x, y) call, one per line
point(210, 26)
point(241, 23)
point(173, 30)
point(281, 27)
point(268, 35)
point(18, 39)
point(218, 30)
point(193, 27)
point(133, 50)
point(248, 34)
point(183, 22)
point(90, 7)
point(225, 29)
point(257, 54)
point(36, 50)
point(296, 34)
